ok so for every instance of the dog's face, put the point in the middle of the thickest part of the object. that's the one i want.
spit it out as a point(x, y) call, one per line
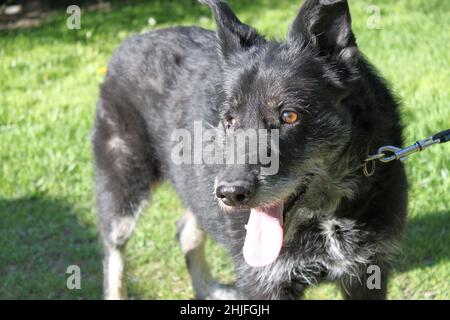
point(299, 88)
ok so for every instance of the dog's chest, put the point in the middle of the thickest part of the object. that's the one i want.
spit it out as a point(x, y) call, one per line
point(329, 247)
point(320, 249)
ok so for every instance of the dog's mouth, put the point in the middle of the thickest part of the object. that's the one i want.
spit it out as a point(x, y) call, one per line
point(293, 199)
point(265, 230)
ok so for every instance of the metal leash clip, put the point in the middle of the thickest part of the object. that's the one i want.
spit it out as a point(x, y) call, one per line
point(387, 154)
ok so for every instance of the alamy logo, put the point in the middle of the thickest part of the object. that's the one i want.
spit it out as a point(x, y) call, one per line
point(374, 20)
point(374, 280)
point(74, 19)
point(219, 146)
point(74, 280)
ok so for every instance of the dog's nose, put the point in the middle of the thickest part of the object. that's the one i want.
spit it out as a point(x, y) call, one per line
point(234, 195)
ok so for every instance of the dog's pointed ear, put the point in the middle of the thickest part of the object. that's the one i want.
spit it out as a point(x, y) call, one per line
point(327, 25)
point(234, 36)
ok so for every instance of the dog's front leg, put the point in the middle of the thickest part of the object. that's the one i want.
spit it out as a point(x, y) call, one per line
point(192, 241)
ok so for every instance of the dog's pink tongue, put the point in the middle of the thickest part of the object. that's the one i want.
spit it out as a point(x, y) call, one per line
point(264, 236)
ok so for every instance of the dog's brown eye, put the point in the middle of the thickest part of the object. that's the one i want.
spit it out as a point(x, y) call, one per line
point(289, 117)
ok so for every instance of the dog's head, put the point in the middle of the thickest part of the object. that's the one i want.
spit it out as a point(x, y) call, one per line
point(298, 87)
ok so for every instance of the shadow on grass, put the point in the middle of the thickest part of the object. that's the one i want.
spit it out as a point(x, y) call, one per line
point(132, 17)
point(426, 241)
point(129, 16)
point(39, 239)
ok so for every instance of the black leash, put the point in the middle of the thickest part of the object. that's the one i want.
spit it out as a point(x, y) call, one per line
point(387, 154)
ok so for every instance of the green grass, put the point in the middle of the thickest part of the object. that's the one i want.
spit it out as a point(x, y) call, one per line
point(49, 79)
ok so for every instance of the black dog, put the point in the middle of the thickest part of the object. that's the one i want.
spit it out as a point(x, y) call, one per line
point(318, 217)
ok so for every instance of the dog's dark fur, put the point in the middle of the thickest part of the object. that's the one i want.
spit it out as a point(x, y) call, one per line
point(342, 221)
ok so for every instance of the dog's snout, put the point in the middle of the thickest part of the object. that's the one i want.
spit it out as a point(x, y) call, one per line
point(234, 194)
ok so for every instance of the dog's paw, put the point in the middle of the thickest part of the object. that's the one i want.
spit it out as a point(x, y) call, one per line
point(220, 292)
